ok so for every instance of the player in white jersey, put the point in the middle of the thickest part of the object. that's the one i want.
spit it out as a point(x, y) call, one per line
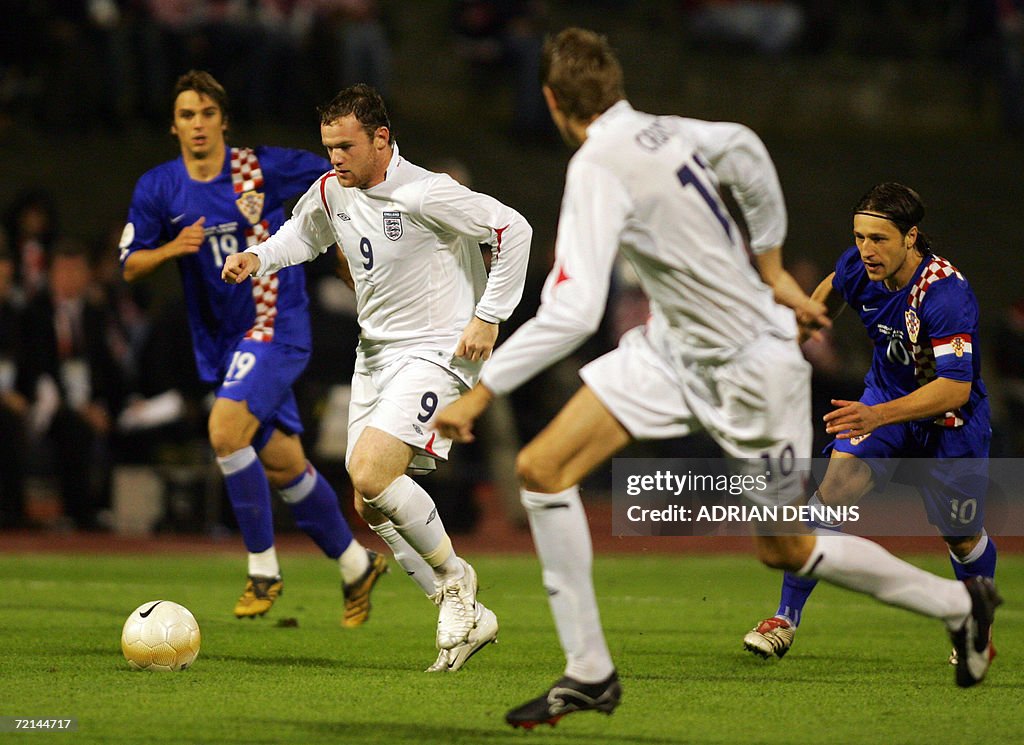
point(428, 316)
point(717, 354)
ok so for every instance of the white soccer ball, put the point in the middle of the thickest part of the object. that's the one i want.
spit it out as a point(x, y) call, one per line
point(160, 635)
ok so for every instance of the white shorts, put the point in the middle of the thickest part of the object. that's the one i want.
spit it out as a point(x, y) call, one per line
point(757, 405)
point(402, 399)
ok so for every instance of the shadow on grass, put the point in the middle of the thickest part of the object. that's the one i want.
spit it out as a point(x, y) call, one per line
point(395, 733)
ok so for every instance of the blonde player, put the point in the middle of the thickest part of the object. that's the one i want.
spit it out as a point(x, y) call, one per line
point(718, 354)
point(428, 316)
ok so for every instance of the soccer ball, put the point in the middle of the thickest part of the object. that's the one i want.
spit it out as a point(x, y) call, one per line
point(160, 635)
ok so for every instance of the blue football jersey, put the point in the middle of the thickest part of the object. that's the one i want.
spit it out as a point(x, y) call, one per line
point(927, 329)
point(242, 206)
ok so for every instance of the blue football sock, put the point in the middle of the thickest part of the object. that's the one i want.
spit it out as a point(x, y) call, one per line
point(981, 562)
point(795, 591)
point(249, 493)
point(315, 508)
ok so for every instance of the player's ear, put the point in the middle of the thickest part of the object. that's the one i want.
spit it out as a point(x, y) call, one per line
point(381, 137)
point(550, 98)
point(910, 239)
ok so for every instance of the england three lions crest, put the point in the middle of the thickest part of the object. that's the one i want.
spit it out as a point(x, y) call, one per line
point(250, 204)
point(913, 325)
point(393, 225)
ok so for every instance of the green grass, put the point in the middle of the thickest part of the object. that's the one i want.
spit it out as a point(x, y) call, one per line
point(859, 673)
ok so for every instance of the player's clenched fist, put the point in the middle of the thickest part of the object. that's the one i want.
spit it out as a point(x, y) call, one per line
point(191, 237)
point(239, 267)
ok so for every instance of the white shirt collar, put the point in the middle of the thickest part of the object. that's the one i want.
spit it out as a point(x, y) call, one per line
point(396, 160)
point(613, 112)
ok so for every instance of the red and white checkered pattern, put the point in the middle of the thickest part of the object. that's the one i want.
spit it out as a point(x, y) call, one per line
point(938, 268)
point(257, 233)
point(924, 357)
point(246, 174)
point(264, 295)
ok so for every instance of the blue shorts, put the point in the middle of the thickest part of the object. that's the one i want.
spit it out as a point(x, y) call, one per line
point(948, 466)
point(262, 374)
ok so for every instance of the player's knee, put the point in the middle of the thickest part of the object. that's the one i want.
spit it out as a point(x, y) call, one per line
point(838, 493)
point(536, 473)
point(279, 477)
point(225, 440)
point(961, 546)
point(367, 480)
point(788, 553)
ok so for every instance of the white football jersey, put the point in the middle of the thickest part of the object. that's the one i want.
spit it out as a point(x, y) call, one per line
point(412, 244)
point(648, 186)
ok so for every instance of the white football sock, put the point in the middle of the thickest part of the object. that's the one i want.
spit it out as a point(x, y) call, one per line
point(418, 570)
point(862, 565)
point(562, 537)
point(976, 552)
point(353, 562)
point(414, 515)
point(264, 564)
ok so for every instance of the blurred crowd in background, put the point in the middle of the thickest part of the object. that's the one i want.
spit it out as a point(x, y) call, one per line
point(96, 375)
point(110, 62)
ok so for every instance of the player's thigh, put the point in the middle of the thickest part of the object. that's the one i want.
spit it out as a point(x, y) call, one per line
point(629, 393)
point(788, 552)
point(377, 459)
point(231, 425)
point(401, 401)
point(955, 482)
point(261, 375)
point(581, 436)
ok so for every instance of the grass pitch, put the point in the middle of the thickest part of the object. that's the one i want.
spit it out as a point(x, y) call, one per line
point(859, 672)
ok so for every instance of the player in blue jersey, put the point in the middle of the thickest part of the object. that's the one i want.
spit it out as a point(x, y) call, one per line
point(924, 398)
point(251, 341)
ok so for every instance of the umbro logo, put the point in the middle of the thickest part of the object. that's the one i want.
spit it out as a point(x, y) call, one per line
point(344, 216)
point(433, 514)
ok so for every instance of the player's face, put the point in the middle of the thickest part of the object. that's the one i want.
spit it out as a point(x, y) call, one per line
point(887, 254)
point(198, 124)
point(359, 160)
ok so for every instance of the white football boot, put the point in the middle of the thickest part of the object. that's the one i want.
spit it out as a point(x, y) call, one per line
point(457, 600)
point(483, 633)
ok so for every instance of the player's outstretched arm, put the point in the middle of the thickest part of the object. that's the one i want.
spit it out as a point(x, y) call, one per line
point(146, 261)
point(456, 420)
point(856, 419)
point(811, 312)
point(239, 267)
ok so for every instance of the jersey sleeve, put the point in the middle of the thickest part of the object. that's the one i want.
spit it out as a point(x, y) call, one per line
point(145, 226)
point(290, 171)
point(484, 219)
point(848, 270)
point(594, 211)
point(949, 314)
point(303, 237)
point(741, 161)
